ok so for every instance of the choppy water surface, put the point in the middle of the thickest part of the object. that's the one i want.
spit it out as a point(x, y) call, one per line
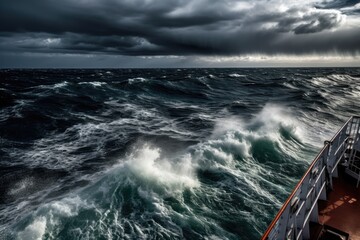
point(161, 153)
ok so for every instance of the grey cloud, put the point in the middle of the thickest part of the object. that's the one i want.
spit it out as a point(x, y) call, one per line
point(337, 3)
point(349, 7)
point(174, 27)
point(299, 20)
point(319, 22)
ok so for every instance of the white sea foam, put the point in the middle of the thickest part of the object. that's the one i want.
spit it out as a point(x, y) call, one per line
point(47, 217)
point(53, 86)
point(355, 92)
point(236, 75)
point(35, 231)
point(60, 85)
point(273, 117)
point(333, 80)
point(136, 80)
point(322, 82)
point(223, 125)
point(146, 162)
point(95, 84)
point(342, 77)
point(67, 207)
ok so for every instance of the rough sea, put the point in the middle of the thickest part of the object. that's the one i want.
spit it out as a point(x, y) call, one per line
point(160, 153)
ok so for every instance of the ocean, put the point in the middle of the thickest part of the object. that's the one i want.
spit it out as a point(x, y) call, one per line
point(160, 153)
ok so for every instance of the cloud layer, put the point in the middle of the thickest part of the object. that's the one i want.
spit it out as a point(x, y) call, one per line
point(179, 27)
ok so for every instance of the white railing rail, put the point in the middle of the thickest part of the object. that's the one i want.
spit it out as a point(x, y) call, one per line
point(292, 220)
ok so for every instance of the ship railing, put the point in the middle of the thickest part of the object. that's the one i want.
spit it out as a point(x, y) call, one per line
point(292, 220)
point(353, 163)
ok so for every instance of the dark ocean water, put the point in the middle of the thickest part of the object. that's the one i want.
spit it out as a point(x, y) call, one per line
point(160, 153)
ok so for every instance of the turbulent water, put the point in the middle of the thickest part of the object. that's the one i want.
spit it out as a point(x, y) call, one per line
point(160, 153)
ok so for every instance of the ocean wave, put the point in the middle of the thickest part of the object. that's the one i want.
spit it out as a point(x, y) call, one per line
point(94, 84)
point(290, 85)
point(186, 154)
point(147, 177)
point(91, 140)
point(333, 80)
point(46, 222)
point(204, 82)
point(144, 177)
point(322, 82)
point(146, 162)
point(236, 75)
point(7, 98)
point(343, 77)
point(137, 80)
point(53, 86)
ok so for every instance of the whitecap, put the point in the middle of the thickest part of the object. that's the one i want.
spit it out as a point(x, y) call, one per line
point(47, 218)
point(236, 75)
point(53, 86)
point(322, 82)
point(60, 85)
point(342, 77)
point(34, 231)
point(146, 162)
point(95, 84)
point(136, 80)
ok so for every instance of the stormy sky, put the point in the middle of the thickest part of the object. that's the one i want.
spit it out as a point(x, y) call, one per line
point(179, 33)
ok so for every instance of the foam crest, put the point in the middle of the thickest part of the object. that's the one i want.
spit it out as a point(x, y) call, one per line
point(343, 77)
point(146, 163)
point(35, 231)
point(94, 84)
point(67, 207)
point(136, 80)
point(60, 85)
point(236, 75)
point(272, 122)
point(333, 80)
point(273, 118)
point(47, 219)
point(54, 86)
point(321, 82)
point(224, 125)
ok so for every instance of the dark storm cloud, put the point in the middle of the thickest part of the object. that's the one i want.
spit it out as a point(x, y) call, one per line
point(338, 3)
point(299, 20)
point(174, 27)
point(348, 7)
